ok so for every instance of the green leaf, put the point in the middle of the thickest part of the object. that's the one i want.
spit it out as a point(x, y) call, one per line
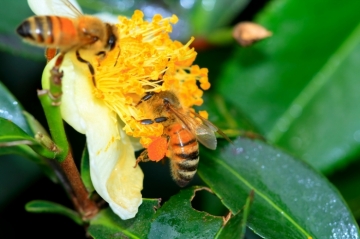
point(40, 206)
point(12, 110)
point(15, 140)
point(290, 197)
point(236, 226)
point(108, 225)
point(177, 219)
point(11, 135)
point(85, 171)
point(35, 125)
point(233, 228)
point(301, 85)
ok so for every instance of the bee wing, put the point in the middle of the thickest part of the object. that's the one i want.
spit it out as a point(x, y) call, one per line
point(206, 136)
point(213, 127)
point(204, 132)
point(65, 8)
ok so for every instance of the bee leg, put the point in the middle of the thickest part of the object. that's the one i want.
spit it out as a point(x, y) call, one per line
point(146, 121)
point(56, 75)
point(50, 53)
point(161, 119)
point(145, 98)
point(59, 60)
point(91, 68)
point(55, 91)
point(143, 157)
point(159, 81)
point(150, 121)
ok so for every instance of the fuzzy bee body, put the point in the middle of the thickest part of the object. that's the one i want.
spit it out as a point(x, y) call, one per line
point(184, 153)
point(181, 134)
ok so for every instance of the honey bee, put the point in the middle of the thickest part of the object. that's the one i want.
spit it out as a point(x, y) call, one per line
point(68, 30)
point(179, 141)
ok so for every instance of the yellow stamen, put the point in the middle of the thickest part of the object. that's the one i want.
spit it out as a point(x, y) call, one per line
point(147, 60)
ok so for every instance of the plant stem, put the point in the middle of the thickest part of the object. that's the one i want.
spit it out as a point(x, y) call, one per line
point(76, 189)
point(80, 197)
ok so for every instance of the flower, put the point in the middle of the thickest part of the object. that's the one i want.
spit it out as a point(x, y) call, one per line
point(110, 150)
point(147, 60)
point(144, 60)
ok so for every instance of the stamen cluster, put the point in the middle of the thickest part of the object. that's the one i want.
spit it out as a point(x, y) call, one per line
point(147, 60)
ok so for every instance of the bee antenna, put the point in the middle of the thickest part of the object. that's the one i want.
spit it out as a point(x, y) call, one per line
point(117, 56)
point(91, 68)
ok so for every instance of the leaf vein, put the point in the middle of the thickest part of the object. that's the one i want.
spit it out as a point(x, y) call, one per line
point(314, 86)
point(248, 184)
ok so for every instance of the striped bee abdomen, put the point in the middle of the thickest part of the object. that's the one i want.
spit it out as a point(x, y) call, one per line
point(185, 155)
point(49, 31)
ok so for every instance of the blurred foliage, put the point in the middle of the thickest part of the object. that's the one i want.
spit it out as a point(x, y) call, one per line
point(297, 89)
point(283, 187)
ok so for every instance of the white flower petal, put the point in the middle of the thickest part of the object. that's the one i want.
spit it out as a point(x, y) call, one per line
point(55, 7)
point(69, 110)
point(111, 152)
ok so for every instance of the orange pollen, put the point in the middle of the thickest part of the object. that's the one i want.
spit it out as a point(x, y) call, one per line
point(157, 149)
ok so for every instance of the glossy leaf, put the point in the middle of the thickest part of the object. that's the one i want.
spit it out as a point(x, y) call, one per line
point(34, 125)
point(301, 85)
point(236, 226)
point(12, 110)
point(108, 225)
point(11, 134)
point(233, 228)
point(177, 219)
point(40, 206)
point(13, 116)
point(291, 200)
